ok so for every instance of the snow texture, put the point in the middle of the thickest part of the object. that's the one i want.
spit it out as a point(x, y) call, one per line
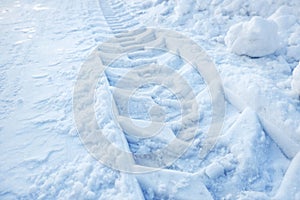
point(43, 47)
point(255, 38)
point(296, 80)
point(291, 181)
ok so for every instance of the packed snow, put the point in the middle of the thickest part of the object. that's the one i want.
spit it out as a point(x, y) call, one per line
point(296, 79)
point(255, 38)
point(45, 45)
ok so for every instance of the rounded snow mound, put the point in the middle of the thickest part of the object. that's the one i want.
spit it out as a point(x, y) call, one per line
point(296, 79)
point(284, 17)
point(255, 38)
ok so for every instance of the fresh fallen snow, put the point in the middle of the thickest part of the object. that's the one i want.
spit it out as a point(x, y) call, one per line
point(43, 47)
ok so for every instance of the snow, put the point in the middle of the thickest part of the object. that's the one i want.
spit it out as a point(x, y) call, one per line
point(293, 52)
point(296, 80)
point(214, 170)
point(255, 38)
point(47, 154)
point(168, 184)
point(284, 17)
point(183, 7)
point(291, 181)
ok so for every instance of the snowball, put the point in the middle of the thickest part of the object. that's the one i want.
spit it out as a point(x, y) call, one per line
point(296, 79)
point(256, 38)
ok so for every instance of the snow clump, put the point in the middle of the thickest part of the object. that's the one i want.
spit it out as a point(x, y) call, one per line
point(296, 79)
point(255, 38)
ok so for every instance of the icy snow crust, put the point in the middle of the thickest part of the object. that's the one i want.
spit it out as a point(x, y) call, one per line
point(43, 47)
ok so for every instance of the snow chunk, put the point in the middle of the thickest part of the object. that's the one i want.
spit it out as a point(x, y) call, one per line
point(248, 139)
point(290, 185)
point(294, 38)
point(254, 154)
point(169, 184)
point(246, 195)
point(285, 22)
point(241, 7)
point(214, 170)
point(296, 79)
point(256, 38)
point(284, 17)
point(183, 7)
point(293, 52)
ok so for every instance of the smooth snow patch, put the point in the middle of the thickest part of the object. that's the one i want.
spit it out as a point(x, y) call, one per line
point(256, 38)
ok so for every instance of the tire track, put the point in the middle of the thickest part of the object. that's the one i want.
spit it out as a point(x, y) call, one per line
point(127, 41)
point(120, 22)
point(129, 46)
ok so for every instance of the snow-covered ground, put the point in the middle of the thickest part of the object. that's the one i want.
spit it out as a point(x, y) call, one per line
point(45, 45)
